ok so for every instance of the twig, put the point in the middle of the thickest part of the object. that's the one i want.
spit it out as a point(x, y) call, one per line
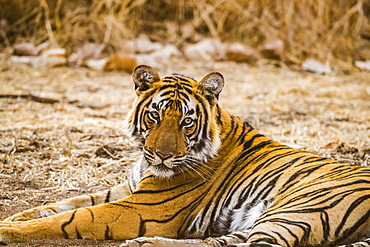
point(51, 101)
point(30, 97)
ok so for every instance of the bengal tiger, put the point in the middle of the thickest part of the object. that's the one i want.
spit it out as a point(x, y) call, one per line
point(208, 178)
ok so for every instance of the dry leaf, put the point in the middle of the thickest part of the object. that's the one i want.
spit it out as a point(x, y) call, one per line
point(332, 145)
point(121, 63)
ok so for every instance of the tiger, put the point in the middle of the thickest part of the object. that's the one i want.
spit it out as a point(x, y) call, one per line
point(209, 178)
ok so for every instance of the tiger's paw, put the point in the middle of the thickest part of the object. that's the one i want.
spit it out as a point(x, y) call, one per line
point(8, 233)
point(164, 242)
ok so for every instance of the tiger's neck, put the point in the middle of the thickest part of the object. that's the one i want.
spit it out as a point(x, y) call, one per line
point(236, 134)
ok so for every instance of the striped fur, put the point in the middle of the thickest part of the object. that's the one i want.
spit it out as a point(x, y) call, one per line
point(208, 178)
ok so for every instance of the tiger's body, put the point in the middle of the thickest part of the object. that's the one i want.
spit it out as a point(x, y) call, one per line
point(208, 178)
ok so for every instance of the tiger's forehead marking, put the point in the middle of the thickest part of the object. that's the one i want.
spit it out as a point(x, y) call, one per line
point(176, 93)
point(179, 83)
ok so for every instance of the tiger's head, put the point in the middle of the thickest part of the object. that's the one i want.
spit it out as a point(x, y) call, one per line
point(174, 118)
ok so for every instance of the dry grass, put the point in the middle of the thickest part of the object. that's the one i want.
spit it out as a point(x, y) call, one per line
point(329, 30)
point(53, 151)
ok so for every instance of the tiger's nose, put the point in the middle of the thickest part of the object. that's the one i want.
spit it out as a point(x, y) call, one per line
point(163, 156)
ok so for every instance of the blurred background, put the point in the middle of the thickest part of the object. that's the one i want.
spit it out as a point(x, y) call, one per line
point(335, 32)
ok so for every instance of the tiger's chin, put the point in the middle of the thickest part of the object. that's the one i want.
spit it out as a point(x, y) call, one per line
point(161, 171)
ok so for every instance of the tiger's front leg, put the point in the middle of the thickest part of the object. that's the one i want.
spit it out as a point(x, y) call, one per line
point(108, 221)
point(113, 194)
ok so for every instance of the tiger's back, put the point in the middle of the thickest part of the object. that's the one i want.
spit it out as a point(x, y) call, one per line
point(209, 175)
point(302, 199)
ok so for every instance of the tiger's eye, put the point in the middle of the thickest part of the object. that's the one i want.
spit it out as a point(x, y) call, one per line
point(153, 115)
point(187, 121)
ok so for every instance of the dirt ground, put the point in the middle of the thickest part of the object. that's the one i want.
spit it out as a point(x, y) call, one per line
point(50, 151)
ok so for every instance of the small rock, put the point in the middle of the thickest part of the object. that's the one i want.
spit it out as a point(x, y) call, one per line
point(142, 44)
point(25, 49)
point(238, 53)
point(97, 64)
point(159, 58)
point(50, 58)
point(314, 66)
point(273, 50)
point(87, 50)
point(22, 59)
point(207, 49)
point(364, 65)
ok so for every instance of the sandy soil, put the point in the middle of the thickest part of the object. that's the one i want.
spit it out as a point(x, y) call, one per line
point(53, 151)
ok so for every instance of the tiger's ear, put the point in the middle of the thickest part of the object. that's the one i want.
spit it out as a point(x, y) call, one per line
point(144, 77)
point(213, 84)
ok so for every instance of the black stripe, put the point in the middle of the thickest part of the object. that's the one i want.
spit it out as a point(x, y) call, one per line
point(256, 183)
point(108, 233)
point(169, 80)
point(160, 191)
point(241, 137)
point(184, 78)
point(355, 227)
point(78, 234)
point(92, 200)
point(221, 191)
point(185, 95)
point(249, 143)
point(232, 129)
point(222, 242)
point(174, 215)
point(219, 116)
point(188, 90)
point(190, 218)
point(142, 228)
point(257, 245)
point(327, 190)
point(139, 111)
point(268, 238)
point(350, 209)
point(296, 238)
point(239, 236)
point(168, 199)
point(301, 174)
point(120, 205)
point(107, 198)
point(65, 224)
point(165, 93)
point(246, 130)
point(324, 217)
point(91, 213)
point(281, 237)
point(304, 226)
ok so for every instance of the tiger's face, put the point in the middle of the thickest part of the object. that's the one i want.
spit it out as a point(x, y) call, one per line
point(174, 118)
